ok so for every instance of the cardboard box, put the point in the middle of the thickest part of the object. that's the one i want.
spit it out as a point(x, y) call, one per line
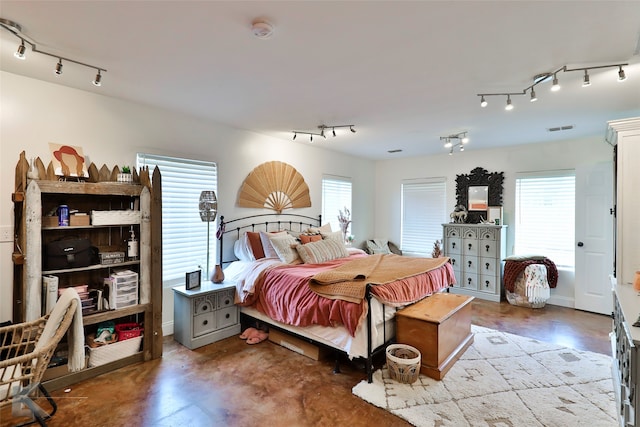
point(49, 221)
point(296, 344)
point(78, 220)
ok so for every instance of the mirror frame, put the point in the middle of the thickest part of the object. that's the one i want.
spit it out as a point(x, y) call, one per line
point(479, 177)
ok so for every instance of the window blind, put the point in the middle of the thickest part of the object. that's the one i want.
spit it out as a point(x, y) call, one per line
point(545, 217)
point(336, 195)
point(184, 234)
point(424, 211)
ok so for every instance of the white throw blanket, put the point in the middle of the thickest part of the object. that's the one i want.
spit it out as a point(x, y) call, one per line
point(535, 278)
point(75, 333)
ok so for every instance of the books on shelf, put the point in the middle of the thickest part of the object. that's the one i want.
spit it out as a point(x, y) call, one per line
point(50, 293)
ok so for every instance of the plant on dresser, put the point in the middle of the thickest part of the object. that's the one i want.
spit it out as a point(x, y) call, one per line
point(110, 212)
point(476, 252)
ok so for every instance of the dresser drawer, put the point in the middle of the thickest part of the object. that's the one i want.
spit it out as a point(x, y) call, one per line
point(204, 323)
point(488, 266)
point(487, 283)
point(469, 281)
point(470, 247)
point(203, 304)
point(470, 265)
point(225, 298)
point(227, 316)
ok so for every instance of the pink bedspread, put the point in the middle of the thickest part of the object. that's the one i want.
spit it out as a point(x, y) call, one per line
point(283, 294)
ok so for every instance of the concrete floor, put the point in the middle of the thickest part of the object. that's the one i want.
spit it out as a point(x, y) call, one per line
point(230, 383)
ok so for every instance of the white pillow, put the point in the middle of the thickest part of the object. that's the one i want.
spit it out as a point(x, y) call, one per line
point(285, 247)
point(335, 235)
point(322, 251)
point(242, 249)
point(326, 228)
point(269, 252)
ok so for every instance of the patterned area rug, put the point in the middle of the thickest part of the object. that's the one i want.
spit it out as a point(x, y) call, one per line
point(504, 380)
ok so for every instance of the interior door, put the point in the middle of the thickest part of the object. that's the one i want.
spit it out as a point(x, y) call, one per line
point(594, 238)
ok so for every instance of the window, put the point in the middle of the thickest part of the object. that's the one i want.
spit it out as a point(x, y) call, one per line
point(424, 211)
point(336, 196)
point(545, 216)
point(184, 234)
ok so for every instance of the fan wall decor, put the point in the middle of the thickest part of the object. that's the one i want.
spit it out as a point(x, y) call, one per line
point(274, 185)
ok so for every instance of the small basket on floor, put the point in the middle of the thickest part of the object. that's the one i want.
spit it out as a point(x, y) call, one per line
point(403, 363)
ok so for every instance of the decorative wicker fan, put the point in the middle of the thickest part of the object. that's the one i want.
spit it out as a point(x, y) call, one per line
point(274, 185)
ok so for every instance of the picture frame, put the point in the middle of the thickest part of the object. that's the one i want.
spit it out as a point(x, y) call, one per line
point(192, 279)
point(494, 215)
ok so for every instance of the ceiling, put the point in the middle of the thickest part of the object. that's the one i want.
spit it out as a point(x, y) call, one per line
point(404, 73)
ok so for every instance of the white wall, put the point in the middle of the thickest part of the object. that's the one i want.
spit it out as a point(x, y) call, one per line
point(34, 113)
point(524, 158)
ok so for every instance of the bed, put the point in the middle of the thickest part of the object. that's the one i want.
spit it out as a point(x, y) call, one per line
point(322, 291)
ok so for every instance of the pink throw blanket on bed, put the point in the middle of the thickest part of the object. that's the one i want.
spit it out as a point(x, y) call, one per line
point(282, 293)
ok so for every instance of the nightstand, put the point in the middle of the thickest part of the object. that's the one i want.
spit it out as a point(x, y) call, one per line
point(205, 315)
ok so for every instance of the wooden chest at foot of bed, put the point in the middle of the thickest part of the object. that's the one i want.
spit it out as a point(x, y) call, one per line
point(440, 327)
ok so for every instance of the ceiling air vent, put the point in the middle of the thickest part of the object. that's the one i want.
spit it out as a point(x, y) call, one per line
point(397, 150)
point(559, 128)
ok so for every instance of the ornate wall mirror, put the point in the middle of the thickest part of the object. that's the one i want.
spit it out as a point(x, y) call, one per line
point(477, 191)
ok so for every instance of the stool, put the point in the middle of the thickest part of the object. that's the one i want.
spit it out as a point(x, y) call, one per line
point(439, 326)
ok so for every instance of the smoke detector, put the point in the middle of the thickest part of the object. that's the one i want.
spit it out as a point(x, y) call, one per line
point(262, 29)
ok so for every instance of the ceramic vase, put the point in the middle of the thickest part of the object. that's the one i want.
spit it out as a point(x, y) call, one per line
point(218, 274)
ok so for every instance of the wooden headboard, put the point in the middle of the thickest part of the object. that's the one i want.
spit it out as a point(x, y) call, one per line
point(231, 230)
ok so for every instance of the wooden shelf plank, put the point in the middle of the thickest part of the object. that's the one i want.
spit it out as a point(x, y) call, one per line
point(103, 316)
point(91, 267)
point(90, 188)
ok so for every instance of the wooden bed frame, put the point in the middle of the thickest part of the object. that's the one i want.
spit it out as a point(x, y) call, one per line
point(295, 222)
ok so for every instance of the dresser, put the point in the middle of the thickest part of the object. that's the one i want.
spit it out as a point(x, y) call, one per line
point(476, 252)
point(625, 339)
point(204, 315)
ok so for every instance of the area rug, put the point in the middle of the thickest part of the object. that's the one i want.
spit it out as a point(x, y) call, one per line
point(504, 380)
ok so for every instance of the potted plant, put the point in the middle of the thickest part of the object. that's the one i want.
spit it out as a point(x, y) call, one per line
point(125, 175)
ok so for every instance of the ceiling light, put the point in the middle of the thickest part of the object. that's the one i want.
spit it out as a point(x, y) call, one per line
point(544, 77)
point(621, 76)
point(322, 133)
point(509, 105)
point(294, 136)
point(555, 86)
point(262, 29)
point(323, 129)
point(333, 131)
point(354, 131)
point(310, 138)
point(455, 140)
point(98, 80)
point(58, 69)
point(20, 52)
point(15, 29)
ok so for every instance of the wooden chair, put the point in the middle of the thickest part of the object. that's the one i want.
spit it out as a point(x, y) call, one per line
point(23, 360)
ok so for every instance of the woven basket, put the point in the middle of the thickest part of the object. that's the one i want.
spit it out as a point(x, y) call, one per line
point(403, 363)
point(110, 352)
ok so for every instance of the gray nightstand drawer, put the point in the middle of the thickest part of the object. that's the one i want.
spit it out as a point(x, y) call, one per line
point(203, 323)
point(225, 298)
point(227, 316)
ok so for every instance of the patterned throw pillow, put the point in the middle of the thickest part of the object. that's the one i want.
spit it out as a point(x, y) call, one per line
point(322, 251)
point(265, 238)
point(285, 247)
point(378, 246)
point(334, 235)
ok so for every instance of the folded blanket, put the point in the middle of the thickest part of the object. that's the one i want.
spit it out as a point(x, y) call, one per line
point(349, 281)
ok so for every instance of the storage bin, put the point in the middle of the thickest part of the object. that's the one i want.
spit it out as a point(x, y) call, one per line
point(127, 331)
point(123, 289)
point(111, 352)
point(403, 363)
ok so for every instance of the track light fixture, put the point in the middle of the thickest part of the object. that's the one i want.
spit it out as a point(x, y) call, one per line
point(455, 140)
point(15, 29)
point(20, 52)
point(323, 130)
point(58, 69)
point(540, 78)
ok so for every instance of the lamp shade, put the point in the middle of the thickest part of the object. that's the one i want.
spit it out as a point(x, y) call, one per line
point(208, 206)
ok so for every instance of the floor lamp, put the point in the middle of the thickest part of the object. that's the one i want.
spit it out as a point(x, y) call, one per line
point(208, 208)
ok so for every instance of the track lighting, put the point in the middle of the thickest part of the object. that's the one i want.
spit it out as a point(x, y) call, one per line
point(555, 86)
point(540, 78)
point(450, 141)
point(58, 69)
point(20, 52)
point(585, 81)
point(509, 105)
point(621, 75)
point(323, 129)
point(294, 136)
point(15, 29)
point(98, 80)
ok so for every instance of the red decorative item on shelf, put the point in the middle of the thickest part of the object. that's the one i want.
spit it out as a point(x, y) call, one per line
point(126, 331)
